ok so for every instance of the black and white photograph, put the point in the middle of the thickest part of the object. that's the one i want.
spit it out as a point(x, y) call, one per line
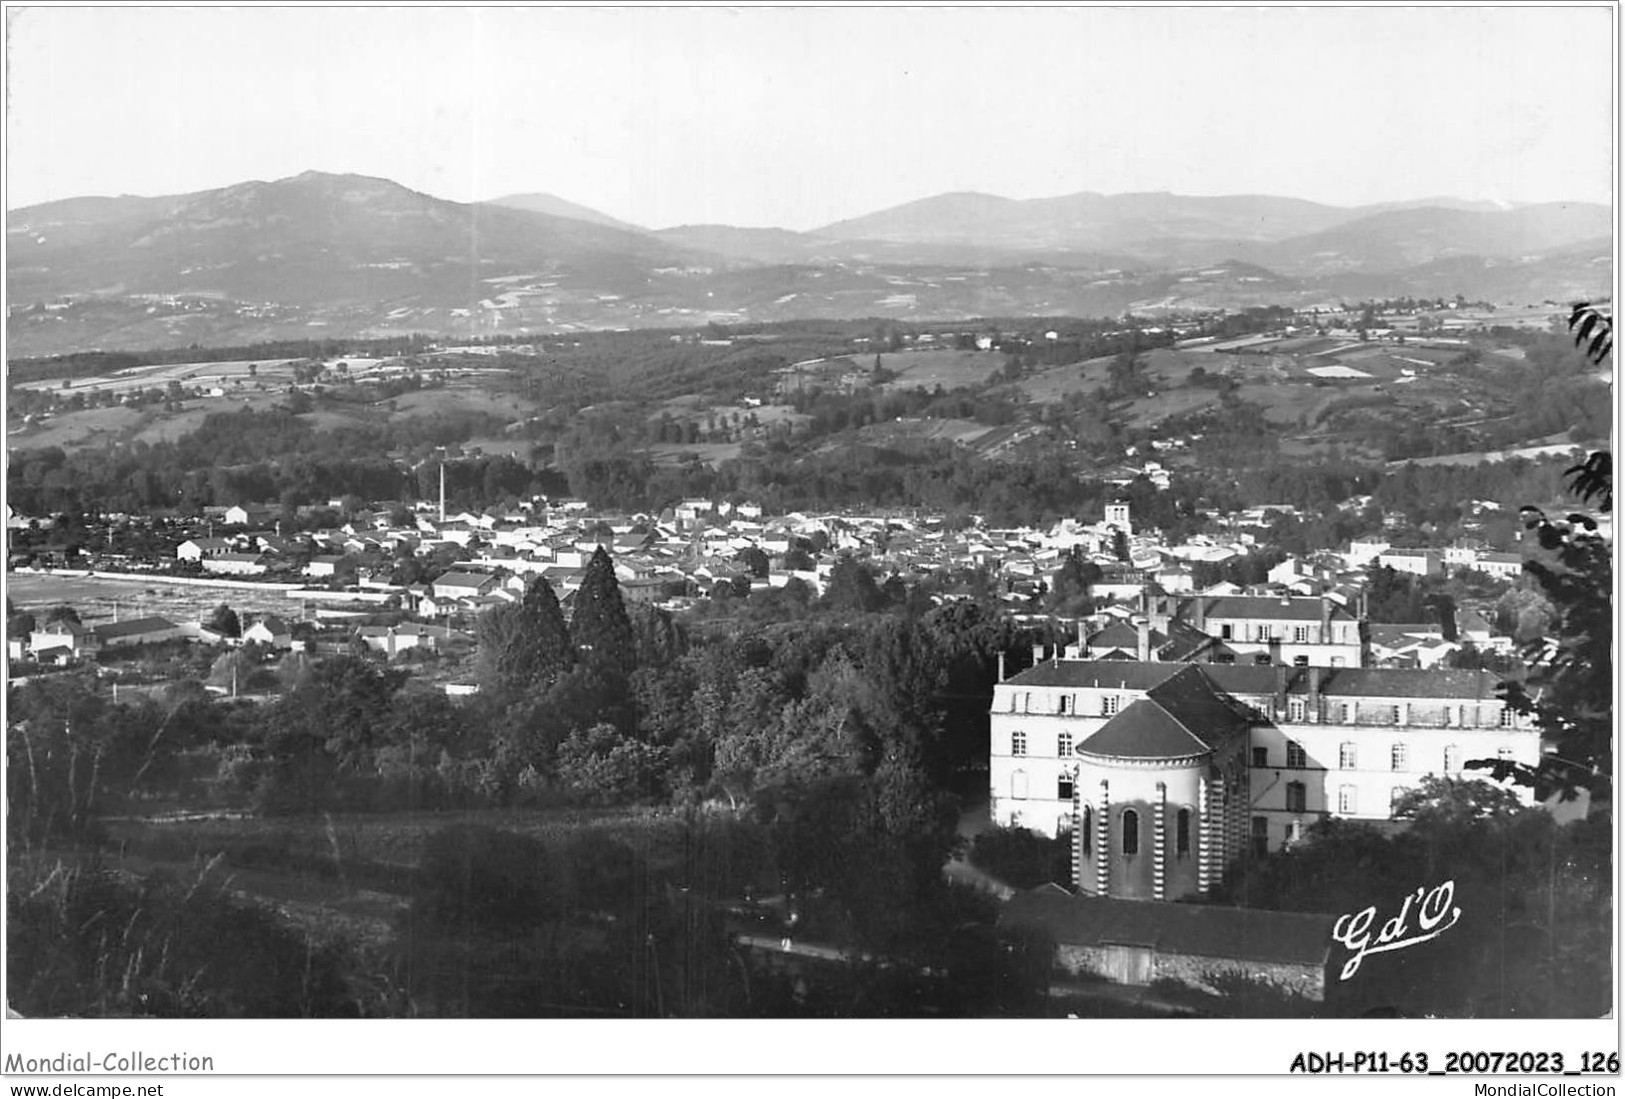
point(790, 531)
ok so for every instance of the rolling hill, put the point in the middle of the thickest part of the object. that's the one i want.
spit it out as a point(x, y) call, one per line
point(1289, 235)
point(352, 254)
point(311, 239)
point(1394, 240)
point(554, 206)
point(1087, 221)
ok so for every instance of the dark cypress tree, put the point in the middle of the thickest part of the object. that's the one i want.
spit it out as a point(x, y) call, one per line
point(600, 627)
point(523, 647)
point(542, 608)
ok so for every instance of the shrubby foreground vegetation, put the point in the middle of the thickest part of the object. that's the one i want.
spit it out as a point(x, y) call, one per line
point(813, 762)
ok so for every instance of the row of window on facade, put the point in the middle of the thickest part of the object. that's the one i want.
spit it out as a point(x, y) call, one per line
point(1064, 704)
point(1300, 634)
point(1128, 832)
point(1264, 660)
point(1297, 796)
point(1348, 798)
point(1297, 759)
point(1297, 710)
point(1348, 757)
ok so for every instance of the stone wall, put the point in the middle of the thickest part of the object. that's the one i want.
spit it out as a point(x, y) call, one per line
point(1199, 973)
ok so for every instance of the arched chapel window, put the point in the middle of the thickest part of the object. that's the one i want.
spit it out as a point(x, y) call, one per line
point(1131, 832)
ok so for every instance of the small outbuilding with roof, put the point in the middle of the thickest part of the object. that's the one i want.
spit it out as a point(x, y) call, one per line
point(1207, 948)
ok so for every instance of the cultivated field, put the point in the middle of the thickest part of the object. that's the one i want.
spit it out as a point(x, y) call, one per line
point(273, 372)
point(949, 369)
point(91, 427)
point(672, 454)
point(96, 599)
point(697, 409)
point(1053, 385)
point(904, 431)
point(1299, 404)
point(461, 398)
point(94, 427)
point(1147, 411)
point(1481, 456)
point(500, 446)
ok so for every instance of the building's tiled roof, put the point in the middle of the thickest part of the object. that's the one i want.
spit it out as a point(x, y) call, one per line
point(1247, 679)
point(1358, 682)
point(1182, 642)
point(1119, 635)
point(1243, 679)
point(1144, 730)
point(1128, 675)
point(1181, 716)
point(1199, 705)
point(1259, 606)
point(1400, 633)
point(1403, 683)
point(132, 627)
point(1207, 931)
point(464, 579)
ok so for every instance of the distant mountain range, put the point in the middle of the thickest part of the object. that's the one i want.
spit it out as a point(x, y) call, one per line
point(354, 255)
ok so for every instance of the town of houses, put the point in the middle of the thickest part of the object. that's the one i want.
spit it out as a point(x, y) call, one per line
point(436, 569)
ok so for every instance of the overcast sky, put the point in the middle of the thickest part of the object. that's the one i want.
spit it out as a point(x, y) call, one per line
point(799, 117)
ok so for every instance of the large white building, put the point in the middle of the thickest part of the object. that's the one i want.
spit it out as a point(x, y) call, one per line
point(1166, 772)
point(1303, 631)
point(1416, 562)
point(235, 564)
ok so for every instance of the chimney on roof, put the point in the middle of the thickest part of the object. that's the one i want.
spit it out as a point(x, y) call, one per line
point(1143, 650)
point(1280, 688)
point(1314, 694)
point(1199, 614)
point(1000, 679)
point(1081, 641)
point(1038, 655)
